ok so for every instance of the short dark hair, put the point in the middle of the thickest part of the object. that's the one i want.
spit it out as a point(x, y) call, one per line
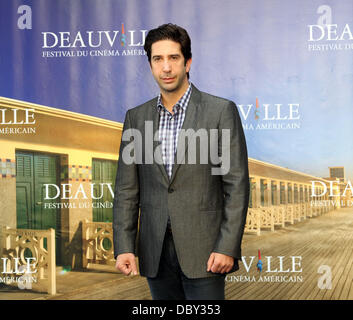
point(172, 32)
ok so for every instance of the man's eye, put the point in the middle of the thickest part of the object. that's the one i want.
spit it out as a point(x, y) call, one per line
point(156, 58)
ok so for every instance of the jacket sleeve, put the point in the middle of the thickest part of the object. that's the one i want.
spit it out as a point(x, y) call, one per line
point(126, 200)
point(235, 183)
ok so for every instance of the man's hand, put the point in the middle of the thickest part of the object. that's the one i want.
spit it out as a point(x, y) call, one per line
point(126, 263)
point(219, 263)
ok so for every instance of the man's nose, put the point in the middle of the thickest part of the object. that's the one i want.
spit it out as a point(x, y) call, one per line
point(166, 66)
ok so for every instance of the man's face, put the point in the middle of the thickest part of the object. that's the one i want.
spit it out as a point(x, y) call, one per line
point(168, 65)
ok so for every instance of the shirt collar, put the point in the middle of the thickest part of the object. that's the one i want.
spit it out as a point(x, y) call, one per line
point(182, 102)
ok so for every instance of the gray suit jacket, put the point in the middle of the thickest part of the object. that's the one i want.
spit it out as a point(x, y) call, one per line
point(207, 212)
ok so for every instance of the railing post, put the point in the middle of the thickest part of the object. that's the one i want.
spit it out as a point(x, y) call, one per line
point(84, 244)
point(257, 192)
point(51, 262)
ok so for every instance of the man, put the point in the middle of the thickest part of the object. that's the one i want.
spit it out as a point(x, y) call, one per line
point(192, 216)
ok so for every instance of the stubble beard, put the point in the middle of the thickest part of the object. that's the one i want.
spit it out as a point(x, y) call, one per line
point(174, 88)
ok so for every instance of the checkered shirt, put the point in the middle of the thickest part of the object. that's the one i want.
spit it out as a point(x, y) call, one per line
point(169, 128)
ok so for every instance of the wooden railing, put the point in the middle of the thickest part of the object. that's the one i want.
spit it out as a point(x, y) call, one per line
point(97, 244)
point(39, 245)
point(253, 224)
point(268, 217)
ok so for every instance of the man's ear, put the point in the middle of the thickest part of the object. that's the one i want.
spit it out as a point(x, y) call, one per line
point(188, 65)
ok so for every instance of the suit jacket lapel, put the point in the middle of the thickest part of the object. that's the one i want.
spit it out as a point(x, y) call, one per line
point(156, 144)
point(190, 122)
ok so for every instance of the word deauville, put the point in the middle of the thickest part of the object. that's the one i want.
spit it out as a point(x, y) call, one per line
point(272, 112)
point(18, 267)
point(295, 264)
point(16, 116)
point(65, 191)
point(92, 39)
point(333, 188)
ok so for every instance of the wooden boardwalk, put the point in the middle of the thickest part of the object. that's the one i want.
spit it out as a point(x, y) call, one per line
point(323, 240)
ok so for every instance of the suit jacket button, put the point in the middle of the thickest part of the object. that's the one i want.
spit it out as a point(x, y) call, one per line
point(170, 190)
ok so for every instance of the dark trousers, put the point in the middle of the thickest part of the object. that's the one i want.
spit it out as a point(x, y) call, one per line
point(172, 284)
